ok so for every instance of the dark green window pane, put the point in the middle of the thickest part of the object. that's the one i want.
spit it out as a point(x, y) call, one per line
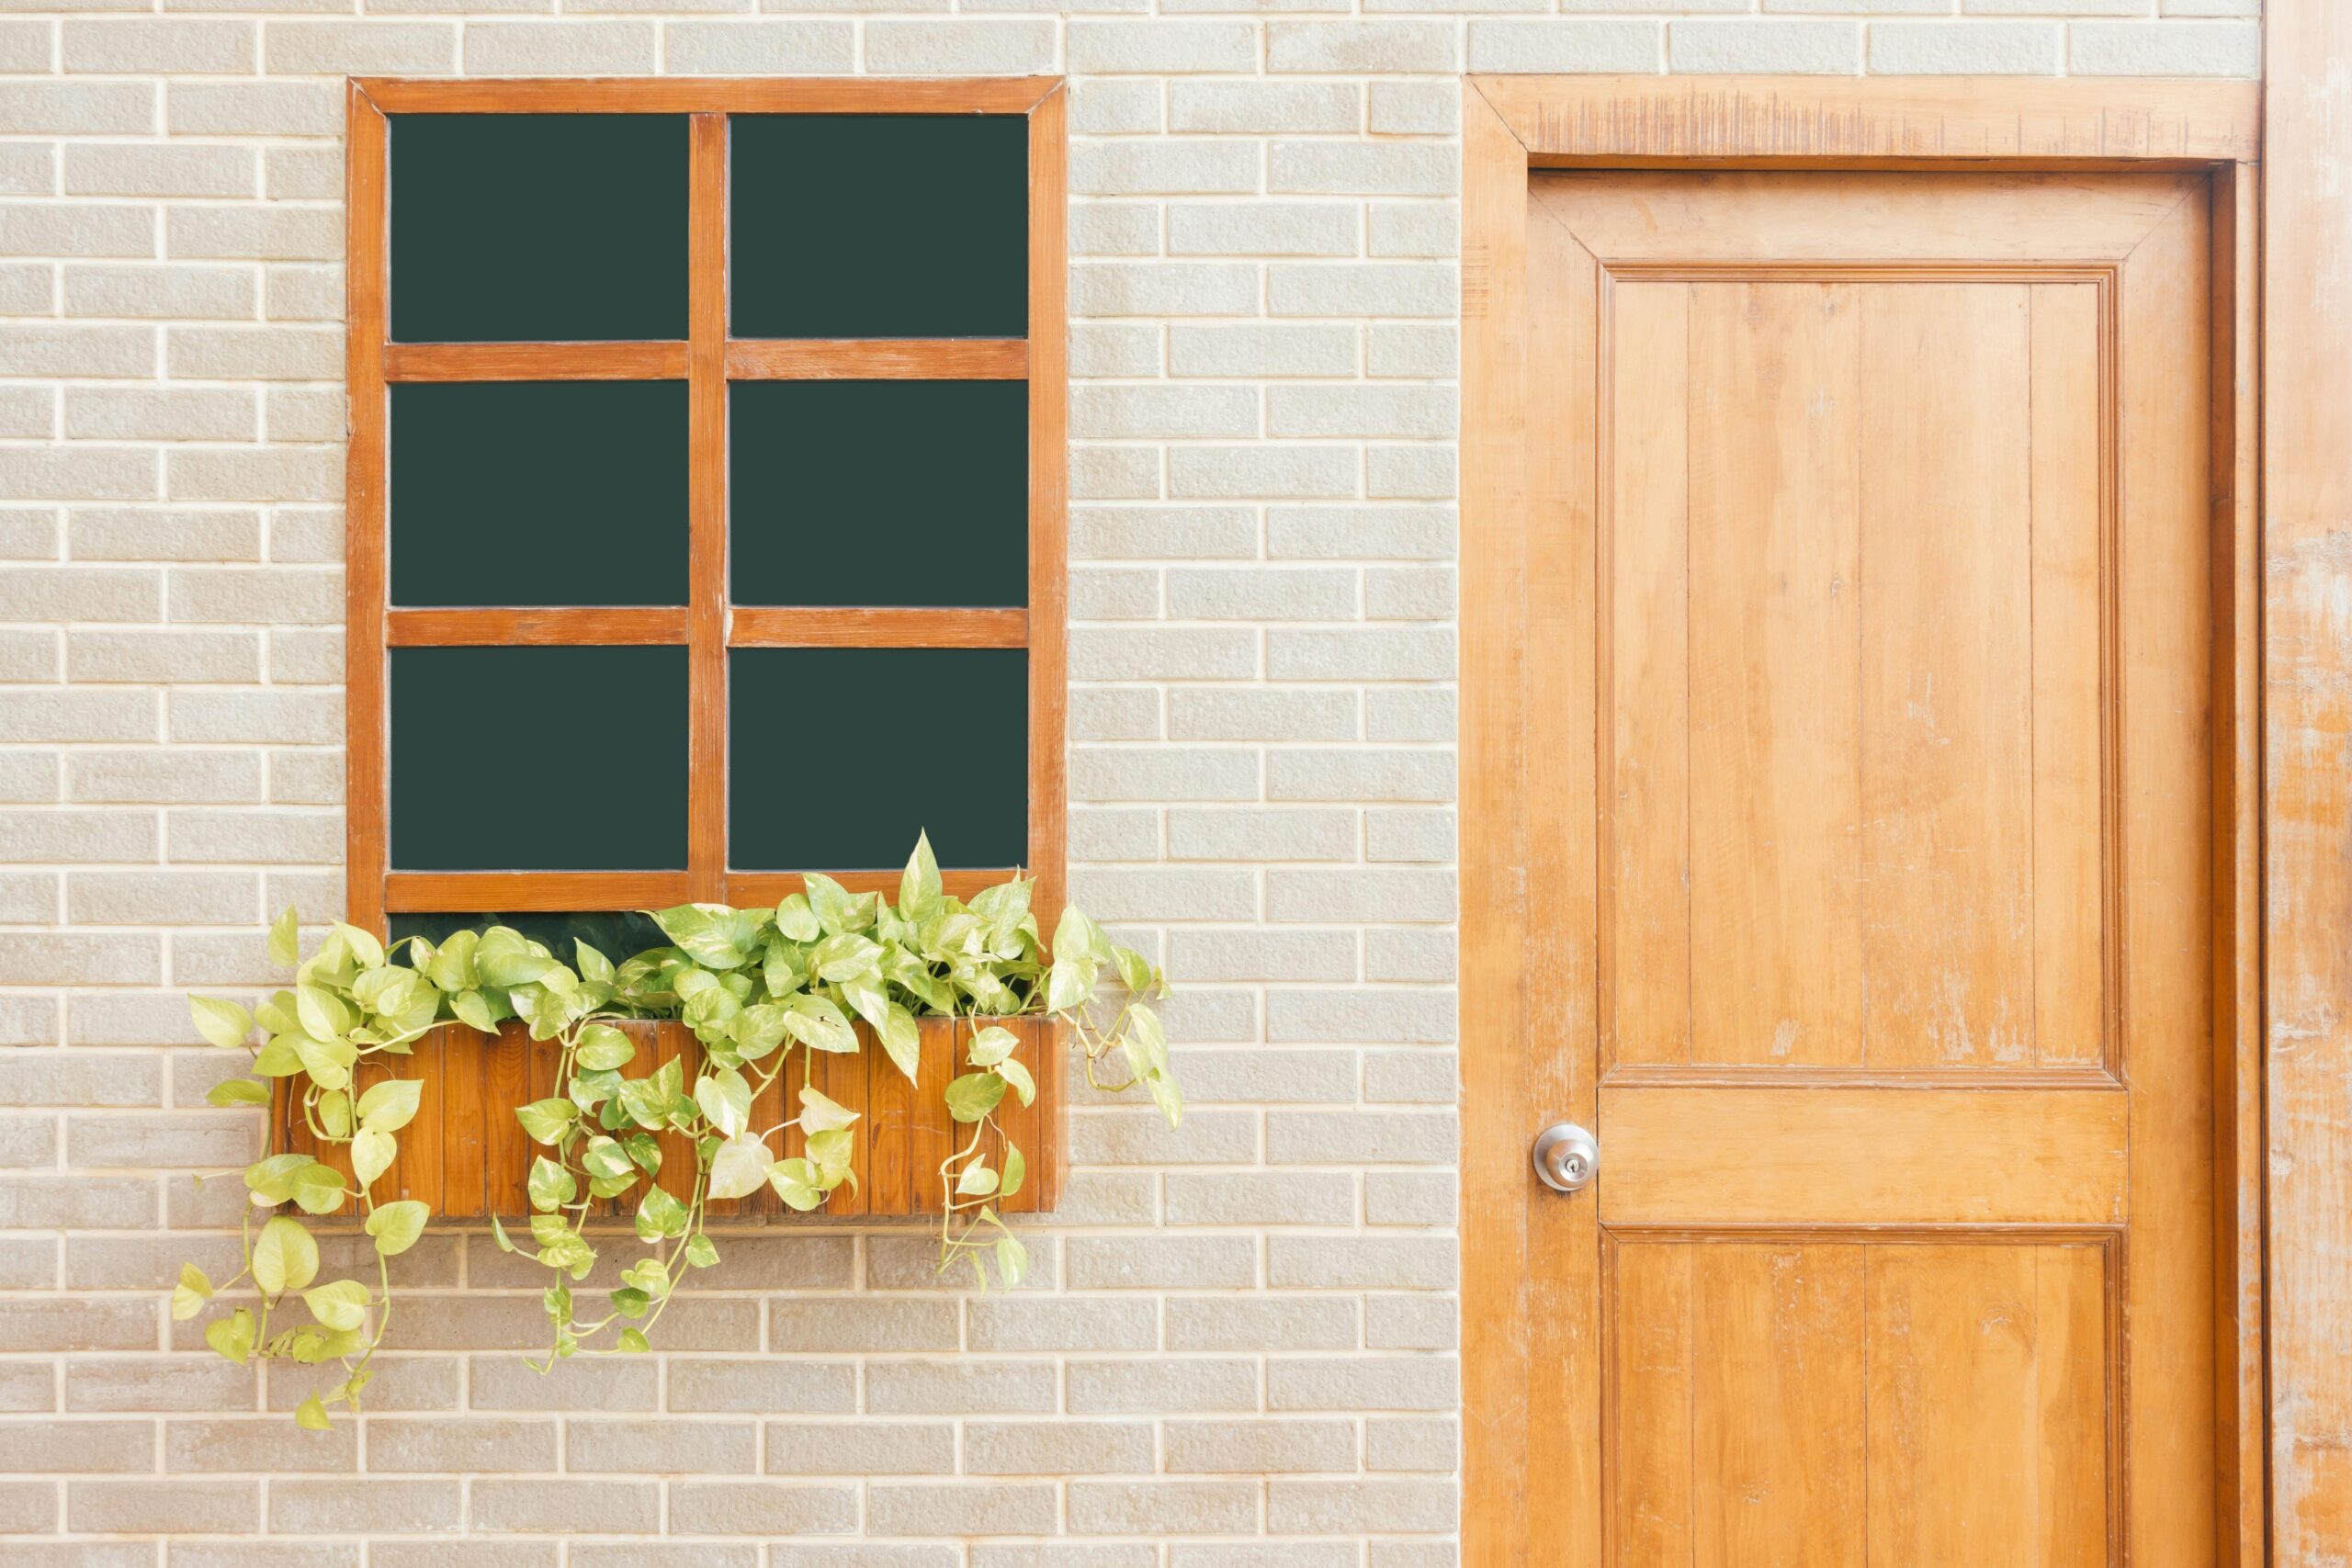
point(615, 933)
point(838, 756)
point(519, 228)
point(879, 492)
point(538, 759)
point(539, 492)
point(847, 225)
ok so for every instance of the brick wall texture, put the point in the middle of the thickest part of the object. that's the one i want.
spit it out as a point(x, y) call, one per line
point(1240, 1349)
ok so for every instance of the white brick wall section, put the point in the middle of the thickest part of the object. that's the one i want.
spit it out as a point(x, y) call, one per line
point(1243, 1332)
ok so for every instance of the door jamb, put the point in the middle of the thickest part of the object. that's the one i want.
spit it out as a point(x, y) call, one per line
point(1524, 1468)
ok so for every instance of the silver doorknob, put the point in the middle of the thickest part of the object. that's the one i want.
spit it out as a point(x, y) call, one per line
point(1565, 1156)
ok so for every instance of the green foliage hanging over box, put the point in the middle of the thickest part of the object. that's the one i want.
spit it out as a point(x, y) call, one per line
point(755, 986)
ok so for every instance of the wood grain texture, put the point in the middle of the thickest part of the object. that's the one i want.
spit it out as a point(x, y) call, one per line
point(1531, 1274)
point(2240, 1428)
point(1861, 1401)
point(468, 1156)
point(515, 892)
point(880, 359)
point(1774, 701)
point(507, 628)
point(2051, 376)
point(2307, 771)
point(707, 510)
point(1946, 739)
point(2168, 896)
point(2075, 839)
point(1977, 1353)
point(1776, 1405)
point(1644, 585)
point(1560, 958)
point(717, 94)
point(1857, 666)
point(535, 361)
point(1048, 514)
point(1854, 122)
point(842, 1079)
point(931, 1137)
point(830, 626)
point(1652, 1480)
point(1846, 1156)
point(891, 1117)
point(367, 562)
point(1507, 1440)
point(750, 887)
point(747, 359)
point(506, 1082)
point(468, 1132)
point(1771, 222)
point(420, 1169)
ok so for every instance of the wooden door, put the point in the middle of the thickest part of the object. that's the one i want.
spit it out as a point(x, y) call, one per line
point(1872, 622)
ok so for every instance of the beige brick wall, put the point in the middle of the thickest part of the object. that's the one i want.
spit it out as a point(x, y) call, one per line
point(1240, 1348)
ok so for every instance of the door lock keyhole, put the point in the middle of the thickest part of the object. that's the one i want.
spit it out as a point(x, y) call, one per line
point(1567, 1158)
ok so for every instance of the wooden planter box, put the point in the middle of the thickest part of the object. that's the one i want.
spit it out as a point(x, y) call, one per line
point(467, 1157)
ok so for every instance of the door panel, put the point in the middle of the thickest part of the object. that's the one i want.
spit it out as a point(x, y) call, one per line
point(1861, 1404)
point(1739, 1383)
point(1879, 502)
point(1857, 746)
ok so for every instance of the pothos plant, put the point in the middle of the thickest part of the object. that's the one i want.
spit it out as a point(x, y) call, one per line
point(754, 986)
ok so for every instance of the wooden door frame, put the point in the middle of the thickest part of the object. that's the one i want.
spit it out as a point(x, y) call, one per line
point(1526, 978)
point(2307, 783)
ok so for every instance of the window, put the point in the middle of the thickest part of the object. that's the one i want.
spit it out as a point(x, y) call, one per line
point(707, 515)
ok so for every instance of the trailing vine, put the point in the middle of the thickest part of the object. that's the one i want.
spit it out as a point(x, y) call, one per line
point(754, 986)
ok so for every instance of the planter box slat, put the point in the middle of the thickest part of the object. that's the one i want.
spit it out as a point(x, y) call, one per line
point(934, 1136)
point(467, 1157)
point(467, 1136)
point(844, 1078)
point(501, 1083)
point(889, 1140)
point(429, 1180)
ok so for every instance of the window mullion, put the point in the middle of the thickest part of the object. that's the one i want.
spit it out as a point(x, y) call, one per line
point(706, 579)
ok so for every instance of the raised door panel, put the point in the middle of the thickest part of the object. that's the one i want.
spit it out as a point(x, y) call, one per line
point(1857, 574)
point(1884, 1404)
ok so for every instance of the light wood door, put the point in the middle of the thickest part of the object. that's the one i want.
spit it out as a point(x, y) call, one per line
point(1874, 632)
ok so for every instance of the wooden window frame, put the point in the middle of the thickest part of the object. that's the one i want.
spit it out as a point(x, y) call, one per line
point(707, 361)
point(1525, 1468)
